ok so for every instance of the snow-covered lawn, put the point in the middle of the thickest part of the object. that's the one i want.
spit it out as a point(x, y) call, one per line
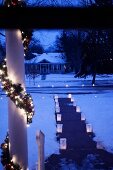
point(97, 107)
point(67, 80)
point(3, 120)
point(43, 120)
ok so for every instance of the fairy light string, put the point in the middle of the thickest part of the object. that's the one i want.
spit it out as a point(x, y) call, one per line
point(21, 99)
point(6, 159)
point(16, 92)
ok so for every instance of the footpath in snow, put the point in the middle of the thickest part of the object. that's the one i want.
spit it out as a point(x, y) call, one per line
point(75, 136)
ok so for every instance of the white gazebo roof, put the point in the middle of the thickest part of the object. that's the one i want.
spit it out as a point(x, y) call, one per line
point(49, 57)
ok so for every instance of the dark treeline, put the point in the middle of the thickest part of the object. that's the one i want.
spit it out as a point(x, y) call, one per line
point(34, 47)
point(89, 51)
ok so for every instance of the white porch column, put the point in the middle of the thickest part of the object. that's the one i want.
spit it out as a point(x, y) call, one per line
point(40, 138)
point(17, 120)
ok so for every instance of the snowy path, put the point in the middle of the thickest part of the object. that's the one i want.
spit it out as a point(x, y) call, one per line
point(79, 142)
point(98, 110)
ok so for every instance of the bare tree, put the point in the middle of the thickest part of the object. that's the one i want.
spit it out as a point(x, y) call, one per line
point(99, 3)
point(53, 3)
point(87, 3)
point(97, 48)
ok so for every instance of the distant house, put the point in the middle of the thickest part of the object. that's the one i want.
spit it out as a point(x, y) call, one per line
point(46, 63)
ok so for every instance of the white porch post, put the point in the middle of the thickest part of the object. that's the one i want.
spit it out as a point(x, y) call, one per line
point(17, 119)
point(40, 138)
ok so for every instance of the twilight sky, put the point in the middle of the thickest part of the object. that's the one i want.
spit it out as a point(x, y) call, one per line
point(46, 37)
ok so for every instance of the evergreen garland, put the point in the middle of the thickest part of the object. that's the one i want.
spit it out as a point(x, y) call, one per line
point(16, 92)
point(6, 159)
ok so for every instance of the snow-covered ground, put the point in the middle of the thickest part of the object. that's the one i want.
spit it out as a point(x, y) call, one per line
point(96, 105)
point(43, 120)
point(67, 80)
point(3, 120)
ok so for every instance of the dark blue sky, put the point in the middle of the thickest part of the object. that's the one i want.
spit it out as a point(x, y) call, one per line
point(47, 37)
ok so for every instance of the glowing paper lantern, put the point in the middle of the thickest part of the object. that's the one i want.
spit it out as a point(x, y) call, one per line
point(59, 128)
point(59, 117)
point(83, 116)
point(67, 85)
point(72, 99)
point(99, 145)
point(57, 104)
point(89, 128)
point(69, 95)
point(56, 96)
point(63, 143)
point(58, 110)
point(77, 109)
point(56, 100)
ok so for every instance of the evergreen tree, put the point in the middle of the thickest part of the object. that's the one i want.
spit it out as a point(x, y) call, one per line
point(34, 47)
point(97, 50)
point(69, 42)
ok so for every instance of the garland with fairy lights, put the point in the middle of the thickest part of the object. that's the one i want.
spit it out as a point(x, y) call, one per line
point(6, 159)
point(26, 38)
point(14, 3)
point(15, 91)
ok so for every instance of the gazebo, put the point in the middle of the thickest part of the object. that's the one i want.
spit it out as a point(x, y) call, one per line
point(46, 63)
